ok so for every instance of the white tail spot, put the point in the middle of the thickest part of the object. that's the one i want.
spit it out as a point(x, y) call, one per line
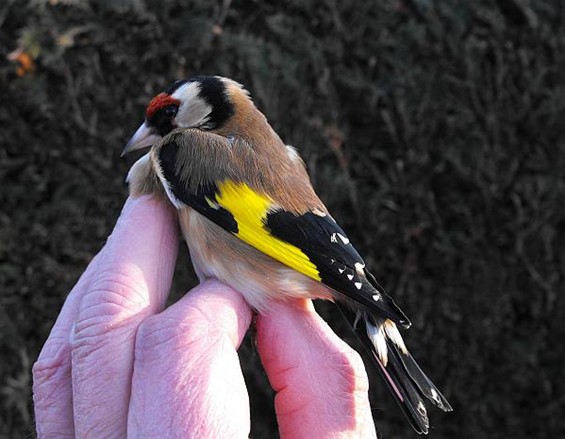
point(358, 285)
point(394, 335)
point(422, 408)
point(376, 297)
point(350, 276)
point(378, 339)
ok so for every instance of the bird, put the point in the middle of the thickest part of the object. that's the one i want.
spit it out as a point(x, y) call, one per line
point(252, 220)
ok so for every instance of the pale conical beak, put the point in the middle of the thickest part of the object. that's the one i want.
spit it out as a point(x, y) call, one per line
point(143, 138)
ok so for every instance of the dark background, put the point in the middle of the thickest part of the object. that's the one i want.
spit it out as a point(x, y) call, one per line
point(433, 130)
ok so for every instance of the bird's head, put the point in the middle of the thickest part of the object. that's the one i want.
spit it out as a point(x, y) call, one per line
point(202, 102)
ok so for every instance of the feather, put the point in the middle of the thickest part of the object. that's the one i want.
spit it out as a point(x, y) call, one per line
point(404, 378)
point(310, 243)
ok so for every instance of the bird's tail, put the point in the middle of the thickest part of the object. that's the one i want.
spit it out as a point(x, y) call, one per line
point(406, 381)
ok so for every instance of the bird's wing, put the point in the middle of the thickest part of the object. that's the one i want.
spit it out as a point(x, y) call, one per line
point(311, 243)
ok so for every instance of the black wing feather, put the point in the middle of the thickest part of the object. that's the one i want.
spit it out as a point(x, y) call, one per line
point(336, 259)
point(202, 200)
point(319, 237)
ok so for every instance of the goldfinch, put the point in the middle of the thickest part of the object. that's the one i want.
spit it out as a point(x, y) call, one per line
point(252, 220)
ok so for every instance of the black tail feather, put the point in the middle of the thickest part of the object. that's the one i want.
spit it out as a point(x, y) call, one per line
point(404, 392)
point(404, 378)
point(424, 384)
point(387, 304)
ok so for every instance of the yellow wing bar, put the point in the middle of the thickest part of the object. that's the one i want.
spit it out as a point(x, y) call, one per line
point(250, 210)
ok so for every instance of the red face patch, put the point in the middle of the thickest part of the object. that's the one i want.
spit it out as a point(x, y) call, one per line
point(162, 100)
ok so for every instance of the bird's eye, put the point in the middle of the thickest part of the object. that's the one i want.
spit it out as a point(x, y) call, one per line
point(170, 111)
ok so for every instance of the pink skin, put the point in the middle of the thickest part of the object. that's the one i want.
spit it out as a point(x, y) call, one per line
point(117, 365)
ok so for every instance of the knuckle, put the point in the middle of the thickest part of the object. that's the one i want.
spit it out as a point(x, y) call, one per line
point(155, 333)
point(50, 373)
point(53, 357)
point(353, 370)
point(43, 372)
point(163, 333)
point(123, 287)
point(113, 300)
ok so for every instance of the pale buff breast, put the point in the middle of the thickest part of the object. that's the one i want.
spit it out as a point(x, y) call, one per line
point(218, 254)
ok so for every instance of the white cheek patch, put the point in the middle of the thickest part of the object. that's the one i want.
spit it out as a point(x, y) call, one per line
point(193, 111)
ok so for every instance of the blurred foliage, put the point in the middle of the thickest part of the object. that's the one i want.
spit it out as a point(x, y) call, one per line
point(433, 130)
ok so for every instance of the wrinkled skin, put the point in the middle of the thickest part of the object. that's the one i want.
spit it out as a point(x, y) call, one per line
point(117, 364)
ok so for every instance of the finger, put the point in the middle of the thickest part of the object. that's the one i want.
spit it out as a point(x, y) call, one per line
point(52, 390)
point(187, 380)
point(132, 280)
point(320, 382)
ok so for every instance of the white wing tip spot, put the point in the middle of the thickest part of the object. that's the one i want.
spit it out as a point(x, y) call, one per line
point(344, 239)
point(358, 285)
point(350, 276)
point(376, 297)
point(333, 238)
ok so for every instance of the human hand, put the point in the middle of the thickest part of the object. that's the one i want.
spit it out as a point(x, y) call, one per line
point(117, 365)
